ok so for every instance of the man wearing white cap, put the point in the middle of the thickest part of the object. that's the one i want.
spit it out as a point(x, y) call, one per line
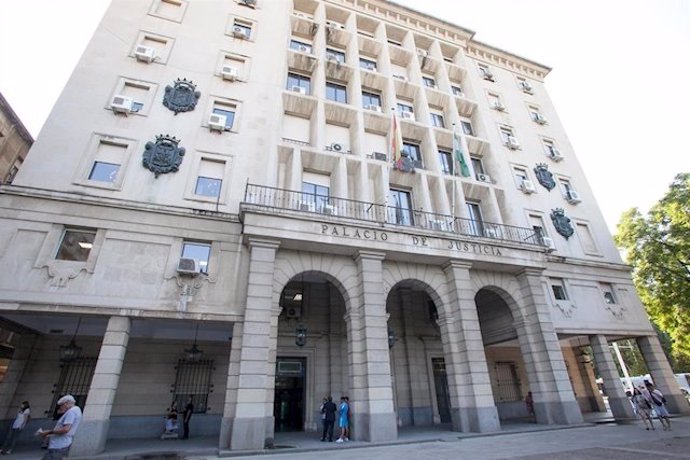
point(60, 437)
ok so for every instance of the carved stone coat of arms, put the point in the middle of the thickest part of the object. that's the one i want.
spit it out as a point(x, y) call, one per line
point(562, 223)
point(181, 97)
point(164, 155)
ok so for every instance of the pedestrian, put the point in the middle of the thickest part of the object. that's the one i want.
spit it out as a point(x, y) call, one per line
point(186, 416)
point(344, 419)
point(20, 421)
point(529, 404)
point(643, 407)
point(61, 436)
point(171, 426)
point(328, 409)
point(657, 397)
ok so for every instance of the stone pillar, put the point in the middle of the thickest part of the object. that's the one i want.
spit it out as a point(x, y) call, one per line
point(23, 348)
point(93, 430)
point(618, 401)
point(554, 399)
point(248, 412)
point(368, 355)
point(662, 374)
point(472, 402)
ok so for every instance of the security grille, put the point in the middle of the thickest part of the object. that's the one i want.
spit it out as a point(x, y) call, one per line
point(75, 379)
point(507, 382)
point(193, 379)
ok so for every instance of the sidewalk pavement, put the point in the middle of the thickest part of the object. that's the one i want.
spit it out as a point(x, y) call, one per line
point(603, 440)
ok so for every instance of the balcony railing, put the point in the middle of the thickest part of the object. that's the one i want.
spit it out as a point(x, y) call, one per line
point(290, 200)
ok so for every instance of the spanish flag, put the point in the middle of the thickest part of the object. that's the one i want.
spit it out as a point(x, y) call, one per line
point(395, 141)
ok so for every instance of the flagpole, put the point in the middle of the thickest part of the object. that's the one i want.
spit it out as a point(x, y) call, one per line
point(452, 211)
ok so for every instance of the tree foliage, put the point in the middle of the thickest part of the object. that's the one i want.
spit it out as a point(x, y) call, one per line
point(658, 247)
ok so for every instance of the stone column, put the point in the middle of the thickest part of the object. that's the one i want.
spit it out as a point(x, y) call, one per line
point(472, 402)
point(662, 374)
point(93, 430)
point(618, 401)
point(248, 412)
point(554, 399)
point(368, 355)
point(23, 349)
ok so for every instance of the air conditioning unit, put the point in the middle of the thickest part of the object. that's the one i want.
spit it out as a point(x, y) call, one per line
point(338, 147)
point(527, 186)
point(239, 32)
point(308, 206)
point(330, 210)
point(380, 156)
point(375, 108)
point(526, 87)
point(548, 242)
point(334, 25)
point(407, 115)
point(512, 143)
point(250, 3)
point(437, 225)
point(293, 312)
point(188, 267)
point(400, 77)
point(422, 53)
point(573, 197)
point(498, 105)
point(144, 53)
point(216, 122)
point(229, 72)
point(299, 89)
point(488, 75)
point(484, 178)
point(555, 155)
point(304, 49)
point(539, 118)
point(121, 104)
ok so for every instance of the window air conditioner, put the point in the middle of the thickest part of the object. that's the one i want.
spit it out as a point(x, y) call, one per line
point(512, 143)
point(188, 267)
point(526, 87)
point(229, 72)
point(484, 178)
point(304, 49)
point(555, 155)
point(293, 312)
point(299, 89)
point(250, 3)
point(308, 206)
point(216, 122)
point(421, 52)
point(330, 210)
point(527, 186)
point(539, 118)
point(573, 197)
point(407, 115)
point(375, 108)
point(338, 147)
point(121, 104)
point(144, 53)
point(239, 32)
point(548, 242)
point(380, 156)
point(498, 105)
point(488, 75)
point(334, 25)
point(400, 77)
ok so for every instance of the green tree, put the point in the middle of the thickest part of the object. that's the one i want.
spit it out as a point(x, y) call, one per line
point(658, 247)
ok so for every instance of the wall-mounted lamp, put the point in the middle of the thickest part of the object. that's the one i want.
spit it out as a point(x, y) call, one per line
point(71, 351)
point(194, 353)
point(301, 336)
point(391, 337)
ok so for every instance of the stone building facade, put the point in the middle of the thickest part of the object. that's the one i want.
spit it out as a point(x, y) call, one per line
point(214, 210)
point(15, 142)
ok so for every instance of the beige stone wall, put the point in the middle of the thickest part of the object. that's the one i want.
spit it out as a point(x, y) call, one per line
point(15, 141)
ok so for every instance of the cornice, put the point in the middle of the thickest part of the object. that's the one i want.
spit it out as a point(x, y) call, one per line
point(16, 122)
point(507, 60)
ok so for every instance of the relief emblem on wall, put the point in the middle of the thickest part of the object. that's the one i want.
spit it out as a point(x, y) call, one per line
point(562, 223)
point(181, 97)
point(164, 155)
point(544, 176)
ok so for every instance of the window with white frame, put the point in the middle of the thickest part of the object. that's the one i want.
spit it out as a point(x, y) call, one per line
point(495, 102)
point(105, 169)
point(535, 115)
point(607, 292)
point(520, 175)
point(226, 110)
point(197, 250)
point(566, 187)
point(477, 165)
point(524, 85)
point(436, 119)
point(429, 82)
point(302, 47)
point(486, 72)
point(457, 90)
point(400, 207)
point(506, 134)
point(414, 153)
point(336, 92)
point(370, 99)
point(316, 192)
point(405, 108)
point(446, 159)
point(551, 150)
point(209, 181)
point(367, 64)
point(558, 289)
point(298, 83)
point(537, 223)
point(476, 222)
point(335, 55)
point(467, 128)
point(76, 244)
point(242, 29)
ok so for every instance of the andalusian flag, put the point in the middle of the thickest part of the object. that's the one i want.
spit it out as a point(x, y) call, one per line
point(395, 141)
point(459, 149)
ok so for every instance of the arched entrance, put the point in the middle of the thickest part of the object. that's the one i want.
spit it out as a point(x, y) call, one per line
point(311, 355)
point(420, 382)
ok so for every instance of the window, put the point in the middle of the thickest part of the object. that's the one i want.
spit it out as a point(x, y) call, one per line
point(506, 134)
point(336, 92)
point(300, 46)
point(524, 85)
point(537, 224)
point(295, 81)
point(104, 172)
point(476, 223)
point(607, 291)
point(495, 102)
point(457, 91)
point(413, 152)
point(429, 82)
point(198, 251)
point(404, 108)
point(536, 115)
point(12, 173)
point(76, 245)
point(584, 234)
point(75, 379)
point(400, 207)
point(446, 160)
point(208, 186)
point(193, 379)
point(209, 181)
point(566, 187)
point(151, 48)
point(520, 175)
point(370, 99)
point(437, 120)
point(137, 93)
point(467, 127)
point(477, 165)
point(169, 9)
point(242, 30)
point(335, 55)
point(367, 64)
point(558, 289)
point(551, 150)
point(226, 110)
point(485, 72)
point(314, 196)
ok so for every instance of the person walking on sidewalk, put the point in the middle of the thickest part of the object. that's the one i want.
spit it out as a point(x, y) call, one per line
point(657, 397)
point(20, 421)
point(61, 436)
point(328, 409)
point(643, 407)
point(344, 420)
point(187, 416)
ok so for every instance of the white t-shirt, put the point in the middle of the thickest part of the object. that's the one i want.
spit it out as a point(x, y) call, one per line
point(70, 417)
point(20, 420)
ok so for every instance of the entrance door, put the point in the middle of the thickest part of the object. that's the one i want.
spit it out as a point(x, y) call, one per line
point(441, 384)
point(288, 401)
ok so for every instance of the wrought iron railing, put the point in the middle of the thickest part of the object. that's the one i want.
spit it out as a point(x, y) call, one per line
point(323, 205)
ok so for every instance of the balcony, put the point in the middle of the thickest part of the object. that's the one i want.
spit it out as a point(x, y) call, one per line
point(289, 202)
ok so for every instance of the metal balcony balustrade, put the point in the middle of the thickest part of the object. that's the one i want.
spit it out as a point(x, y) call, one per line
point(259, 196)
